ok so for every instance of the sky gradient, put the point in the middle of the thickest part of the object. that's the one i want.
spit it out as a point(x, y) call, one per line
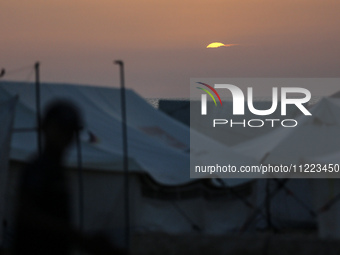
point(163, 42)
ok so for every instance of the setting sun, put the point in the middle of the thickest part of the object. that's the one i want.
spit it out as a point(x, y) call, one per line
point(219, 44)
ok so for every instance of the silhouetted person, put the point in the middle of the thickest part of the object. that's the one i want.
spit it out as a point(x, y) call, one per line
point(43, 219)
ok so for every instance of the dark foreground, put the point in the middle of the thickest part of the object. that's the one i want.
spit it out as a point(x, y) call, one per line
point(264, 244)
point(250, 244)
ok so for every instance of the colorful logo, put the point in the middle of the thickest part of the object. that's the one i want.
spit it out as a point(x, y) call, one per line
point(208, 92)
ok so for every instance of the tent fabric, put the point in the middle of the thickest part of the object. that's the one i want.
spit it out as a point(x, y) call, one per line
point(314, 140)
point(7, 110)
point(238, 134)
point(332, 158)
point(288, 208)
point(157, 144)
point(325, 193)
point(104, 209)
point(336, 95)
point(312, 137)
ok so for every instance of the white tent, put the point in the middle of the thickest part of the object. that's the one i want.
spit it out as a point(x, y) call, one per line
point(332, 158)
point(149, 132)
point(326, 195)
point(238, 134)
point(158, 158)
point(315, 136)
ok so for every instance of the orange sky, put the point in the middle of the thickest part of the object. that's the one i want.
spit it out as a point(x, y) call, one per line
point(163, 42)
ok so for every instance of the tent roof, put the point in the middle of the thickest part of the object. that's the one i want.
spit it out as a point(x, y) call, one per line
point(157, 144)
point(336, 95)
point(314, 136)
point(332, 158)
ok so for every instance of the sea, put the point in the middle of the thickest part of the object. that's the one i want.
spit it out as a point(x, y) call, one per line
point(155, 101)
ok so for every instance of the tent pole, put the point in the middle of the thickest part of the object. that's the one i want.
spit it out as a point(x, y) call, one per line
point(2, 72)
point(268, 206)
point(125, 154)
point(80, 181)
point(37, 101)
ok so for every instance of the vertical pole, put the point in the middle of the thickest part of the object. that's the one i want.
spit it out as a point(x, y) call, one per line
point(37, 100)
point(80, 181)
point(125, 154)
point(267, 206)
point(2, 72)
